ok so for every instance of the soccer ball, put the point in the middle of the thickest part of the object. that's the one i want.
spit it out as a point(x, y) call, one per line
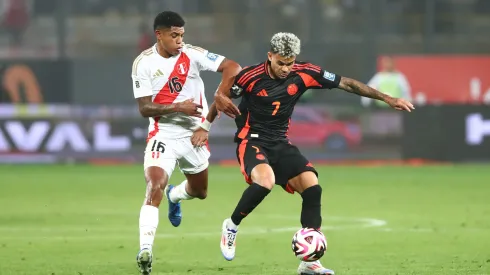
point(309, 244)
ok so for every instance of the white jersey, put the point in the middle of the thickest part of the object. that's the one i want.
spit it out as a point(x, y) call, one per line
point(171, 80)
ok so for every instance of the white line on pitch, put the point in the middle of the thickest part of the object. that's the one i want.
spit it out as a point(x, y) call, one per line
point(88, 233)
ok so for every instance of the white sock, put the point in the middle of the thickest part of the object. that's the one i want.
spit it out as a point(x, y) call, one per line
point(148, 226)
point(231, 225)
point(178, 193)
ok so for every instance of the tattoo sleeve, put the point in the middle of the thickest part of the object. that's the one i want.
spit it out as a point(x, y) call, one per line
point(149, 109)
point(353, 86)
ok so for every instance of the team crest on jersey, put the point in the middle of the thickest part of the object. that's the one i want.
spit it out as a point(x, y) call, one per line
point(182, 68)
point(260, 157)
point(292, 89)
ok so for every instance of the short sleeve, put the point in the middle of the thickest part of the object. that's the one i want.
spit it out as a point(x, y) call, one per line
point(315, 77)
point(246, 80)
point(141, 78)
point(206, 60)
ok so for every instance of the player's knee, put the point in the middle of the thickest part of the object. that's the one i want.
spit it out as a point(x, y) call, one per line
point(266, 180)
point(312, 194)
point(317, 188)
point(156, 179)
point(197, 185)
point(263, 175)
point(303, 181)
point(157, 183)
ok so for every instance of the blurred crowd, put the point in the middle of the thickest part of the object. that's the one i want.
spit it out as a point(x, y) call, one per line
point(235, 17)
point(98, 7)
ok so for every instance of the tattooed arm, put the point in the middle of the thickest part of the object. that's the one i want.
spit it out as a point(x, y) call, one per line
point(356, 87)
point(149, 109)
point(353, 86)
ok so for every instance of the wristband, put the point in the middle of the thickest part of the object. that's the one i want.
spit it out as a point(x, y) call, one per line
point(206, 125)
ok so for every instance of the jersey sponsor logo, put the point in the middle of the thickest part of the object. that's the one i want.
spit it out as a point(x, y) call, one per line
point(158, 73)
point(292, 89)
point(212, 56)
point(329, 76)
point(263, 93)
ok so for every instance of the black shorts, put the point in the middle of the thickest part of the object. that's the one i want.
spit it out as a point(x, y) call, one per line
point(285, 159)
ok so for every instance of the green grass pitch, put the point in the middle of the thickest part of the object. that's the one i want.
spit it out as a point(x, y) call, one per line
point(385, 220)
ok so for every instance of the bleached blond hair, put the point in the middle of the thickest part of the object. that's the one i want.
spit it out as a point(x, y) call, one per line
point(285, 44)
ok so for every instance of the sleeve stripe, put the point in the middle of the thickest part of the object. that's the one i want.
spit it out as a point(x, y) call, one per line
point(307, 67)
point(246, 76)
point(249, 77)
point(197, 48)
point(135, 64)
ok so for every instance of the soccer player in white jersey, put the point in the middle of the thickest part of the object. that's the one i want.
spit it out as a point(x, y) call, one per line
point(170, 92)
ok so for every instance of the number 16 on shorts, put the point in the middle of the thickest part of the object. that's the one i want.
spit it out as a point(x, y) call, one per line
point(154, 149)
point(157, 147)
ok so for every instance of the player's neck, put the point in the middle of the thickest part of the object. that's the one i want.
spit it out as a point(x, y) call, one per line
point(270, 72)
point(163, 53)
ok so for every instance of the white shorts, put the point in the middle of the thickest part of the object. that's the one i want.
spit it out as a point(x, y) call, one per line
point(166, 153)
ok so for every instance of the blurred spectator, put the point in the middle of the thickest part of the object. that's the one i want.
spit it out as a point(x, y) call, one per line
point(15, 18)
point(389, 81)
point(146, 39)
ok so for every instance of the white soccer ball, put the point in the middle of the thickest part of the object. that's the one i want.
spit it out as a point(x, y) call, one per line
point(309, 244)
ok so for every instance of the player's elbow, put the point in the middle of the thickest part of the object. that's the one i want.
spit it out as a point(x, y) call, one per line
point(144, 111)
point(235, 68)
point(231, 67)
point(348, 84)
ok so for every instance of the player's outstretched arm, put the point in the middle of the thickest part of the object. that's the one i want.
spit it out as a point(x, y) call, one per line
point(148, 108)
point(223, 103)
point(354, 86)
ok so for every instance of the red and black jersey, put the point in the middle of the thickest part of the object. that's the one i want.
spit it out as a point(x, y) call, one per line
point(267, 104)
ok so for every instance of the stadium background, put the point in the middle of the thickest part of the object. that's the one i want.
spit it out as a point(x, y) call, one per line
point(79, 54)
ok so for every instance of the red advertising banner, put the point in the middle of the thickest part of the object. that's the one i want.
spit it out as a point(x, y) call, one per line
point(447, 79)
